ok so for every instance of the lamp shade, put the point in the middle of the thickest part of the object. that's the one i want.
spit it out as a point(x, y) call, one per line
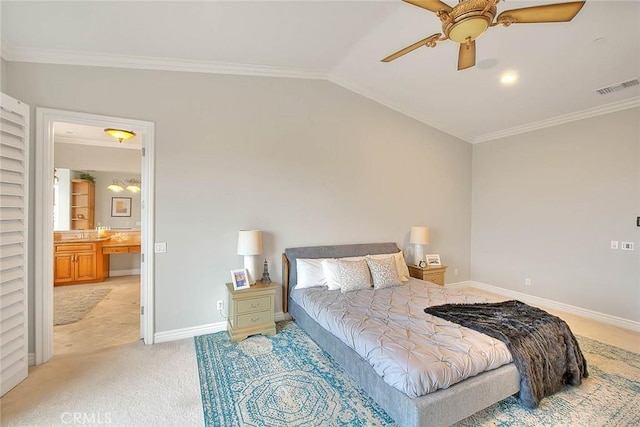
point(419, 235)
point(249, 242)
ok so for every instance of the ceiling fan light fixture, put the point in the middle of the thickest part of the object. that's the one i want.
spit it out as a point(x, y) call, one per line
point(468, 29)
point(120, 134)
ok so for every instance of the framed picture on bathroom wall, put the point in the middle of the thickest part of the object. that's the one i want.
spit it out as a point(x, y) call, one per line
point(121, 206)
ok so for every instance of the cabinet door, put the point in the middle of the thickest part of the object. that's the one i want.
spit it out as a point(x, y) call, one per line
point(64, 268)
point(85, 266)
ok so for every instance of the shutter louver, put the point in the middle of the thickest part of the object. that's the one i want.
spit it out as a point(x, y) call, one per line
point(14, 196)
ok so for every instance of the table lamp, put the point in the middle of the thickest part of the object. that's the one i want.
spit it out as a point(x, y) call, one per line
point(250, 245)
point(419, 237)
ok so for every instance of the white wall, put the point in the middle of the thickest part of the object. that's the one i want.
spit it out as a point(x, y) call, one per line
point(62, 200)
point(546, 206)
point(306, 161)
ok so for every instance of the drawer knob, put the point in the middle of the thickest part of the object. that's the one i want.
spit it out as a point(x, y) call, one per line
point(254, 305)
point(254, 319)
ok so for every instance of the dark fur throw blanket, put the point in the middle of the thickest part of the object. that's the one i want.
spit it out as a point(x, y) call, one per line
point(543, 348)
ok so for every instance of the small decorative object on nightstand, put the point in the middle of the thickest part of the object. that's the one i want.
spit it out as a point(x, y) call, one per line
point(430, 274)
point(251, 311)
point(265, 273)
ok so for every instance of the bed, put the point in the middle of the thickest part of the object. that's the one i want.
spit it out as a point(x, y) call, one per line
point(441, 407)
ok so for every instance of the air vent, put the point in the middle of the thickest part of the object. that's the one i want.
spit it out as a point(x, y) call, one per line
point(617, 87)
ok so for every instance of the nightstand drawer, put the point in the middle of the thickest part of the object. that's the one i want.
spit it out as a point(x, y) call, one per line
point(437, 278)
point(254, 304)
point(254, 319)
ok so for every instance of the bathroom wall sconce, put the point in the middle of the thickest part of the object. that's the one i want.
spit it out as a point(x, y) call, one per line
point(115, 186)
point(132, 185)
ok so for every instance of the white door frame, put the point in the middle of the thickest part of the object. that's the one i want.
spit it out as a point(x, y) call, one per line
point(45, 118)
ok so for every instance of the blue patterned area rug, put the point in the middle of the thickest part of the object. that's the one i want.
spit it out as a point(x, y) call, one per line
point(287, 380)
point(284, 380)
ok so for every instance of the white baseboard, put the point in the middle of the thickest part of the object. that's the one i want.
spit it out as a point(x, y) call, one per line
point(130, 272)
point(32, 359)
point(571, 309)
point(460, 285)
point(194, 331)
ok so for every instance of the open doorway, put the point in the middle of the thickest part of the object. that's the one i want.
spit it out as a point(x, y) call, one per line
point(47, 121)
point(97, 226)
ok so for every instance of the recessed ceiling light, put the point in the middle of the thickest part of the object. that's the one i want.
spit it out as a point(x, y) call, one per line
point(508, 78)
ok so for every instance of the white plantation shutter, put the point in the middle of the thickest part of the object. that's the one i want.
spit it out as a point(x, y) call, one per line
point(14, 197)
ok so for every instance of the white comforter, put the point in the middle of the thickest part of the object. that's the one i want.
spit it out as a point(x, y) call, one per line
point(412, 351)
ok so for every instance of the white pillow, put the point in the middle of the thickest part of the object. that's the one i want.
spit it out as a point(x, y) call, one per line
point(332, 271)
point(310, 273)
point(354, 275)
point(384, 272)
point(401, 264)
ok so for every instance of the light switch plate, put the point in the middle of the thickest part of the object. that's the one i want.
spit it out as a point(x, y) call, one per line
point(627, 246)
point(160, 248)
point(614, 244)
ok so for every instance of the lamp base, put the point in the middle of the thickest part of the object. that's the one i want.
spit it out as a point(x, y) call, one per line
point(250, 265)
point(418, 255)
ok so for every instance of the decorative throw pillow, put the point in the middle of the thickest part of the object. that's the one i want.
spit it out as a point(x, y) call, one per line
point(310, 273)
point(384, 272)
point(354, 275)
point(401, 264)
point(332, 271)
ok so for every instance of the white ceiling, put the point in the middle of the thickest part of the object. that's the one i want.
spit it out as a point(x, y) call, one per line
point(559, 65)
point(70, 133)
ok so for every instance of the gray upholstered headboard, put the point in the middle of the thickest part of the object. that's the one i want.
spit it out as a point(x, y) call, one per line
point(292, 254)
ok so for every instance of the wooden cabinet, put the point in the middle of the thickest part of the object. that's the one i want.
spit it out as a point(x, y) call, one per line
point(430, 274)
point(83, 204)
point(251, 311)
point(79, 263)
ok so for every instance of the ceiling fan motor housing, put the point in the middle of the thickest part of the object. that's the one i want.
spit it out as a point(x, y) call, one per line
point(468, 20)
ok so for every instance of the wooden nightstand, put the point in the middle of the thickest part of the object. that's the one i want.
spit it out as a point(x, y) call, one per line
point(430, 274)
point(251, 311)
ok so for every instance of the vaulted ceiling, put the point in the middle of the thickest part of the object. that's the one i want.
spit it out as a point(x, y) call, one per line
point(560, 66)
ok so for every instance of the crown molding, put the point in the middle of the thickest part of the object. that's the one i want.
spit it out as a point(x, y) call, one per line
point(565, 118)
point(380, 100)
point(54, 56)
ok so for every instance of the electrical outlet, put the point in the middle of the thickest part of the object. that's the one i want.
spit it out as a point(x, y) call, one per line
point(527, 282)
point(627, 246)
point(220, 305)
point(455, 271)
point(614, 244)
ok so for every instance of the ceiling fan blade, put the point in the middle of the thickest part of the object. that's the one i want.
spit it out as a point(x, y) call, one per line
point(413, 47)
point(560, 12)
point(467, 55)
point(431, 5)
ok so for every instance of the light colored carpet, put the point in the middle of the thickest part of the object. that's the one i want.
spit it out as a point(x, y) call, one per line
point(280, 381)
point(72, 303)
point(129, 385)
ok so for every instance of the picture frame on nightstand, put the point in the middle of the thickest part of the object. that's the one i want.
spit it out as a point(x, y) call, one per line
point(433, 260)
point(240, 279)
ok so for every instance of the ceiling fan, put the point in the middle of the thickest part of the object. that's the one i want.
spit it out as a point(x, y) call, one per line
point(467, 20)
